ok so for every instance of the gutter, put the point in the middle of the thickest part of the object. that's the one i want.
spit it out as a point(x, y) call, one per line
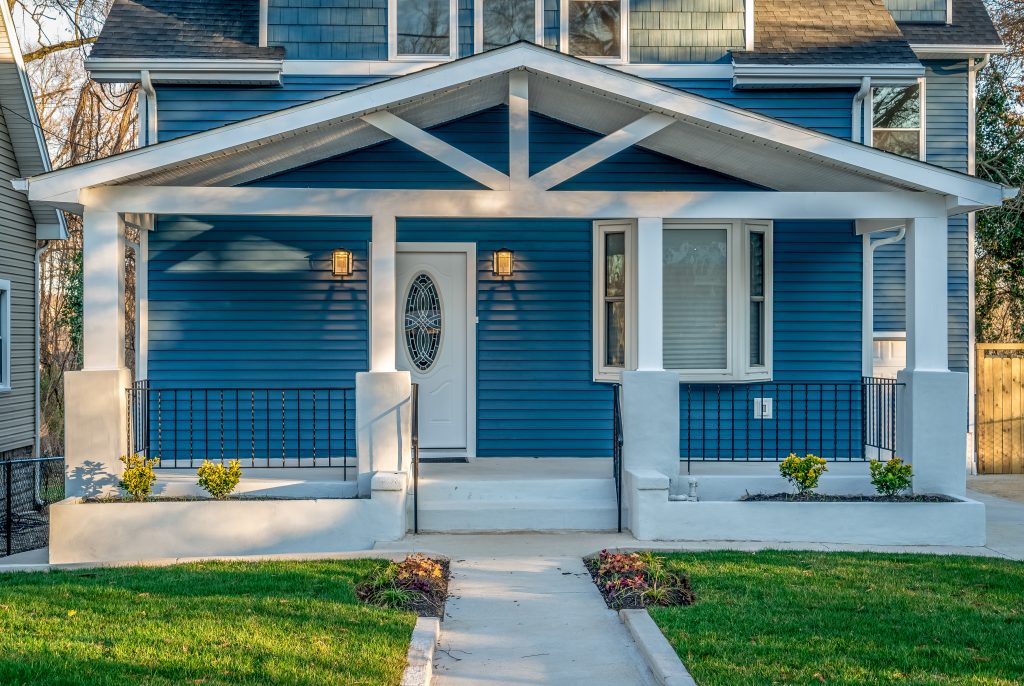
point(148, 126)
point(859, 100)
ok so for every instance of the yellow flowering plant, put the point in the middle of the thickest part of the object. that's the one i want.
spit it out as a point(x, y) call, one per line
point(803, 472)
point(219, 480)
point(138, 477)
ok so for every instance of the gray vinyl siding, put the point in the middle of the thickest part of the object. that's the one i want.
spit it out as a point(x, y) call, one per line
point(17, 265)
point(924, 11)
point(329, 29)
point(946, 133)
point(674, 31)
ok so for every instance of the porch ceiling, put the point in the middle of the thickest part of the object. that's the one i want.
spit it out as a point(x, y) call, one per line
point(705, 132)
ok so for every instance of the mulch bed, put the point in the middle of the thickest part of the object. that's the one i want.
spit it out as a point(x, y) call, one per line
point(418, 584)
point(634, 581)
point(825, 498)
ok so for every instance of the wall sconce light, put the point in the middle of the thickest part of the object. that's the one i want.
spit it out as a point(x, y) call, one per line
point(341, 263)
point(503, 262)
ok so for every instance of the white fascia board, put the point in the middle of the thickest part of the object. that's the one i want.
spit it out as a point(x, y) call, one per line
point(748, 75)
point(249, 71)
point(383, 68)
point(931, 51)
point(780, 136)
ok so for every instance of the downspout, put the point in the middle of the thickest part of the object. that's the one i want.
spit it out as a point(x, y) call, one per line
point(148, 127)
point(38, 439)
point(858, 109)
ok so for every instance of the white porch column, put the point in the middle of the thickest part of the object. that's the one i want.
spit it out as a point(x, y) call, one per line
point(933, 403)
point(650, 395)
point(383, 394)
point(95, 398)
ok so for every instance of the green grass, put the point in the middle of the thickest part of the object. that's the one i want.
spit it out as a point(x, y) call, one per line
point(822, 618)
point(209, 623)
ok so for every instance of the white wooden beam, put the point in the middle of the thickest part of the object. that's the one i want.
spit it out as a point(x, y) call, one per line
point(927, 298)
point(649, 258)
point(349, 202)
point(519, 128)
point(431, 145)
point(383, 310)
point(600, 150)
point(102, 290)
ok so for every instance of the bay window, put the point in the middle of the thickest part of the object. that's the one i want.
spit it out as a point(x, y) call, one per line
point(594, 28)
point(501, 22)
point(898, 115)
point(716, 300)
point(422, 29)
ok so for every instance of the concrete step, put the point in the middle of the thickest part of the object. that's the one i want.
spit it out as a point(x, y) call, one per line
point(455, 505)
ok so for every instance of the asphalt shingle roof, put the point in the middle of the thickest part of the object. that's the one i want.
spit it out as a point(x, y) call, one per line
point(971, 26)
point(183, 29)
point(798, 32)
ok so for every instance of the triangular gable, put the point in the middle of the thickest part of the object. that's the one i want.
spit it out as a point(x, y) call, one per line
point(484, 135)
point(703, 132)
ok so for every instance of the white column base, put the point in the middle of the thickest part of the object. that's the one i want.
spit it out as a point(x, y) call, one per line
point(383, 424)
point(650, 422)
point(95, 431)
point(932, 423)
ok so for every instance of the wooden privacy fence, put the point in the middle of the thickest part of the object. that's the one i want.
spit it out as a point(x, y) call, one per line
point(999, 408)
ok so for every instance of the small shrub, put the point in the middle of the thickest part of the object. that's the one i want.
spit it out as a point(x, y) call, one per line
point(803, 472)
point(219, 480)
point(637, 580)
point(138, 477)
point(892, 477)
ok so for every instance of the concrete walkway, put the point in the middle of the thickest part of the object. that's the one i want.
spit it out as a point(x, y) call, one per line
point(523, 610)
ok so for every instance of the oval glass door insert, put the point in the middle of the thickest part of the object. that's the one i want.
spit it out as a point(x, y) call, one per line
point(423, 321)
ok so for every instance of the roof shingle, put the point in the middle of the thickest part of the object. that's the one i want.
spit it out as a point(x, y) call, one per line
point(183, 29)
point(971, 26)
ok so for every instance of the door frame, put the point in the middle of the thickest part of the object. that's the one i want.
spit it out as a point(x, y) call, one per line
point(469, 250)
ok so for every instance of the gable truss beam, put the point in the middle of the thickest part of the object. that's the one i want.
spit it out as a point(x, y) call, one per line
point(600, 150)
point(431, 145)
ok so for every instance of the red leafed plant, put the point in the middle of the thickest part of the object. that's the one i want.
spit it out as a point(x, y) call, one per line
point(637, 580)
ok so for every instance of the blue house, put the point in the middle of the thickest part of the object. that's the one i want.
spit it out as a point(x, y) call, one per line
point(461, 229)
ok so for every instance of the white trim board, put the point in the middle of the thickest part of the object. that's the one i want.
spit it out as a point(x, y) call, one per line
point(778, 137)
point(6, 324)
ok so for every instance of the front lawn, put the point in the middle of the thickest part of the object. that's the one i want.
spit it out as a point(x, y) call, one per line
point(842, 618)
point(214, 623)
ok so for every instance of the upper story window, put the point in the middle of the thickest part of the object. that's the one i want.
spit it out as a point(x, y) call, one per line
point(897, 125)
point(501, 22)
point(595, 28)
point(5, 335)
point(423, 29)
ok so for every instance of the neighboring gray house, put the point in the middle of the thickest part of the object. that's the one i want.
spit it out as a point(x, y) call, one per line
point(22, 226)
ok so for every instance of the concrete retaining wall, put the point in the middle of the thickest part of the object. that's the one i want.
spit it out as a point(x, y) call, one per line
point(653, 517)
point(101, 532)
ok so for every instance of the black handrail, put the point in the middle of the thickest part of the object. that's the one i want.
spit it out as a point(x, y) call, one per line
point(617, 449)
point(415, 458)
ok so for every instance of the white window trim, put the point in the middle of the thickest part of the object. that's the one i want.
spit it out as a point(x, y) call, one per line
point(738, 368)
point(453, 33)
point(563, 34)
point(603, 372)
point(922, 129)
point(748, 24)
point(478, 24)
point(5, 333)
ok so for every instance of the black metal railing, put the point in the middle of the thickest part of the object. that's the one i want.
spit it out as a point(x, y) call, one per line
point(261, 427)
point(617, 448)
point(767, 421)
point(415, 440)
point(27, 487)
point(879, 416)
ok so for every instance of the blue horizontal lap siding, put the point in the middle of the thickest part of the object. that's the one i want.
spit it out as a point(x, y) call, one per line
point(252, 303)
point(535, 390)
point(817, 340)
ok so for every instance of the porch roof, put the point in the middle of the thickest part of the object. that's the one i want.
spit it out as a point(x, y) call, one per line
point(695, 129)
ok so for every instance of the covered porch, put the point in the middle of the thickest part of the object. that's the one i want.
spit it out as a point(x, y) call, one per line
point(747, 176)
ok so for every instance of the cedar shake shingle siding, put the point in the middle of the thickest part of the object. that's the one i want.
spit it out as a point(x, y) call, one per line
point(932, 11)
point(667, 31)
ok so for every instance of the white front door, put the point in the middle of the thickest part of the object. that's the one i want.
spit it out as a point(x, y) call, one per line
point(434, 344)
